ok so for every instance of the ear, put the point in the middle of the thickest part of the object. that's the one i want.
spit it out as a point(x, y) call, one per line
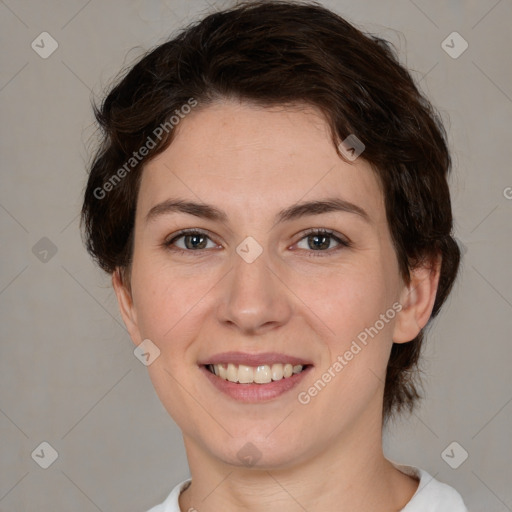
point(125, 302)
point(417, 300)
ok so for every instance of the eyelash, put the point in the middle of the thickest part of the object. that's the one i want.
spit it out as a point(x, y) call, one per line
point(313, 254)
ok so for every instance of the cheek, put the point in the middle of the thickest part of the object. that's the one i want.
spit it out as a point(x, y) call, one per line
point(348, 299)
point(357, 307)
point(166, 299)
point(168, 305)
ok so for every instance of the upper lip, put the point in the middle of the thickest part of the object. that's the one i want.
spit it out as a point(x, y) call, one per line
point(253, 359)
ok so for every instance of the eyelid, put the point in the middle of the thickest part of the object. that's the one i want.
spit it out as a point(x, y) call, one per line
point(311, 231)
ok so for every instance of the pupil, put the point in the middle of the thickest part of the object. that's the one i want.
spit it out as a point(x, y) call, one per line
point(323, 245)
point(195, 238)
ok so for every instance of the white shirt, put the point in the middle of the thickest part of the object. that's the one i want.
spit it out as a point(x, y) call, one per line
point(431, 495)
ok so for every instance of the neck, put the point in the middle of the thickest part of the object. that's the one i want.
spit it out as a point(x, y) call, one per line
point(349, 473)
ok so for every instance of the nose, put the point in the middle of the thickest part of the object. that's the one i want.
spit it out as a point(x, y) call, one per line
point(254, 299)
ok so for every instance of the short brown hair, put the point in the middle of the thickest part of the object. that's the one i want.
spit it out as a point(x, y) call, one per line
point(273, 53)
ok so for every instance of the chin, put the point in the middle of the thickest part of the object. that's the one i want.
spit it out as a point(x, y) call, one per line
point(258, 452)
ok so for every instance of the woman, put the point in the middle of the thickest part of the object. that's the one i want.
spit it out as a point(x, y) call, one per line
point(271, 200)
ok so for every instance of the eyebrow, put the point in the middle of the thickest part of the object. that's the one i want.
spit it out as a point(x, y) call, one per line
point(293, 212)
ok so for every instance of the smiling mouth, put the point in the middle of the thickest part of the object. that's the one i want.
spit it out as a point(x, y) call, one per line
point(261, 374)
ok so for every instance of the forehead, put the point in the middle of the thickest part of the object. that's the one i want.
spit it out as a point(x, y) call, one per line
point(258, 160)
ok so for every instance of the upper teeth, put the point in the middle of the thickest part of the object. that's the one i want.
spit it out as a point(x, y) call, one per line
point(260, 374)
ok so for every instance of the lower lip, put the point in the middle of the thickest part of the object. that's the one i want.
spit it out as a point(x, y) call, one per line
point(253, 393)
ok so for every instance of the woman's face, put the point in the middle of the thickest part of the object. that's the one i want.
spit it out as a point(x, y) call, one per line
point(256, 282)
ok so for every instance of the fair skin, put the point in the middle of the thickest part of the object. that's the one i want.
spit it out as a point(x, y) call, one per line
point(252, 162)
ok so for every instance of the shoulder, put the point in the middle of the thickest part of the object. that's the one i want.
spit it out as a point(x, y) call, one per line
point(431, 495)
point(171, 503)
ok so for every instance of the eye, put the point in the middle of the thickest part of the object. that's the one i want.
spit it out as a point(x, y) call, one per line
point(194, 240)
point(320, 240)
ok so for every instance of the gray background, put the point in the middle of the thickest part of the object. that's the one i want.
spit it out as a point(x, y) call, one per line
point(68, 375)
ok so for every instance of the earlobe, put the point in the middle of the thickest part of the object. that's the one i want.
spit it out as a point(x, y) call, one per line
point(126, 307)
point(417, 300)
